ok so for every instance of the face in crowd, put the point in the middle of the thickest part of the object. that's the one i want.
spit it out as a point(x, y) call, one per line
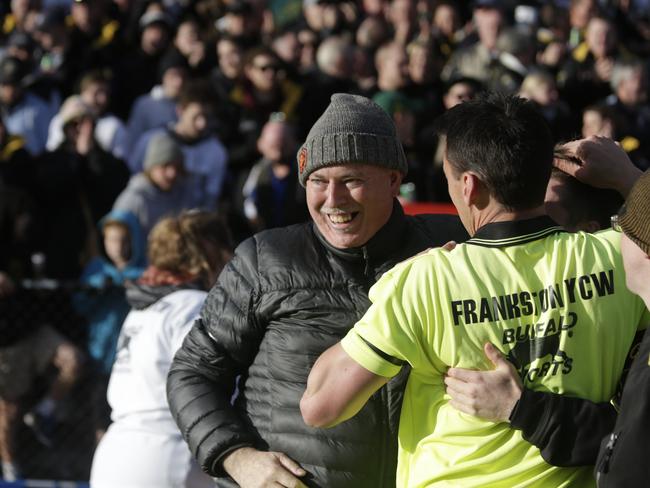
point(117, 243)
point(165, 176)
point(350, 203)
point(262, 72)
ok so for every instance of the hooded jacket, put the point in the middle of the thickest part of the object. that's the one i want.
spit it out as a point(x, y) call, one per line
point(285, 297)
point(106, 308)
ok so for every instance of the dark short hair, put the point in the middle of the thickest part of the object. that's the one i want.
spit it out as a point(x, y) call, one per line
point(254, 52)
point(505, 140)
point(197, 91)
point(583, 203)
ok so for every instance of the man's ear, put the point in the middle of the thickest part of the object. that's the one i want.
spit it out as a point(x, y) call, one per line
point(395, 182)
point(473, 190)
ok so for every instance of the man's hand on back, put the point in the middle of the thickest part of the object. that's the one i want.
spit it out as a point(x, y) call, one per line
point(491, 395)
point(251, 468)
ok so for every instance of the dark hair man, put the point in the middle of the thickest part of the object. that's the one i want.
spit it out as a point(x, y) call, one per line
point(289, 294)
point(591, 176)
point(543, 296)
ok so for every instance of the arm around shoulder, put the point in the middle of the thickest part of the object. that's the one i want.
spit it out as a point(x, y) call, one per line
point(337, 388)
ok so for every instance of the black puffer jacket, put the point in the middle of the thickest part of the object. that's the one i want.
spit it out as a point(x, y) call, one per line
point(286, 296)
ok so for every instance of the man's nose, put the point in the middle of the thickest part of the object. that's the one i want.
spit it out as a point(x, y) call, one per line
point(336, 194)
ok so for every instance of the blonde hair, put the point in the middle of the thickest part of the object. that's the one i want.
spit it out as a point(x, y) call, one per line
point(195, 243)
point(534, 81)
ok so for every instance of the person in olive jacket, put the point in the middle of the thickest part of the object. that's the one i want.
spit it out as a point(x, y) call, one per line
point(289, 294)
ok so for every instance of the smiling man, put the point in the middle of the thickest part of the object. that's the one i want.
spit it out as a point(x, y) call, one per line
point(289, 294)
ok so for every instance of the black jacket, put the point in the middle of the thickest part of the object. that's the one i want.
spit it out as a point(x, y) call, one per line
point(286, 296)
point(623, 456)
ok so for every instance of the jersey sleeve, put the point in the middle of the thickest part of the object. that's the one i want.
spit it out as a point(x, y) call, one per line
point(392, 331)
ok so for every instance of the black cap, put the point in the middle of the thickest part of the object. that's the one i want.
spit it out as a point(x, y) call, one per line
point(21, 40)
point(172, 59)
point(12, 71)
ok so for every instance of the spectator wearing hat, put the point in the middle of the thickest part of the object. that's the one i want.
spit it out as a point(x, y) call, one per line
point(158, 107)
point(24, 113)
point(205, 157)
point(264, 322)
point(162, 188)
point(110, 132)
point(76, 185)
point(55, 47)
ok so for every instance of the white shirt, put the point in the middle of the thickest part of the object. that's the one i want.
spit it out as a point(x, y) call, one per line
point(146, 347)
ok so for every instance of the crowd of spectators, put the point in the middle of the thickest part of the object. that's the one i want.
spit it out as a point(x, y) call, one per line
point(116, 113)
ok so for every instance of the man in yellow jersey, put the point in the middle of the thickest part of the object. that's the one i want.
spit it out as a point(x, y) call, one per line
point(582, 195)
point(547, 299)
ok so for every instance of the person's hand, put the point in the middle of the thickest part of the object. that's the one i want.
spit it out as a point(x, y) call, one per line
point(553, 54)
point(450, 246)
point(600, 162)
point(7, 286)
point(251, 468)
point(487, 394)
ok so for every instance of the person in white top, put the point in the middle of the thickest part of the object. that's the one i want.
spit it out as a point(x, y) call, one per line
point(143, 447)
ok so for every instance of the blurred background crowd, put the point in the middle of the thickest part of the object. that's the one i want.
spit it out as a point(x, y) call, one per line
point(116, 113)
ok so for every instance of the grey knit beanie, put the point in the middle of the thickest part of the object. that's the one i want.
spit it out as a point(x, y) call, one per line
point(161, 149)
point(353, 129)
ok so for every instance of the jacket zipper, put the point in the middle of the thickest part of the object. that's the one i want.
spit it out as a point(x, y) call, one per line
point(366, 264)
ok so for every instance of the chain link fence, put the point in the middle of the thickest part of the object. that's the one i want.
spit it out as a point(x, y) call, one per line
point(64, 451)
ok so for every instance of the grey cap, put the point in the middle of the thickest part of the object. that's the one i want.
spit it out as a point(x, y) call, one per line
point(353, 129)
point(161, 149)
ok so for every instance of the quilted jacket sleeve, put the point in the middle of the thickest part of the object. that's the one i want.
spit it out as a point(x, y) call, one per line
point(220, 347)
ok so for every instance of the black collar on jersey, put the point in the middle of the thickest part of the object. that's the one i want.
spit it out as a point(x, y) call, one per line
point(514, 232)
